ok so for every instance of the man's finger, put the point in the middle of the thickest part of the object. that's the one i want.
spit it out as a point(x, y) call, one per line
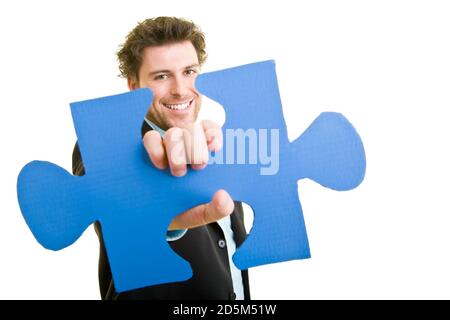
point(220, 206)
point(176, 154)
point(196, 147)
point(155, 149)
point(213, 134)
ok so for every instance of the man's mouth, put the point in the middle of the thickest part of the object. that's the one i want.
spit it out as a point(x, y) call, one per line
point(179, 106)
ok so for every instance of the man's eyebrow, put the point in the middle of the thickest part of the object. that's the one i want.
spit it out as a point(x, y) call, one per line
point(196, 65)
point(158, 71)
point(192, 66)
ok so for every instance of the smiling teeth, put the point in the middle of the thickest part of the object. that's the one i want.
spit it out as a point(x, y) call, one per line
point(178, 106)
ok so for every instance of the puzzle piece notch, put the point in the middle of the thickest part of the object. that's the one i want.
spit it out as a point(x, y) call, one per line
point(246, 93)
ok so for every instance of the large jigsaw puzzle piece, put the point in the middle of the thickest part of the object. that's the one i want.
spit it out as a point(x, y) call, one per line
point(135, 202)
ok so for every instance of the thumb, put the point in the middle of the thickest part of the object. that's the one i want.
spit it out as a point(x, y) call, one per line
point(221, 205)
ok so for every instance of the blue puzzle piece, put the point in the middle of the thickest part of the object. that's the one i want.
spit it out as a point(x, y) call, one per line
point(135, 202)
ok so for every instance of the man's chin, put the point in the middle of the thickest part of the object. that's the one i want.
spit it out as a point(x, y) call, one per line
point(183, 124)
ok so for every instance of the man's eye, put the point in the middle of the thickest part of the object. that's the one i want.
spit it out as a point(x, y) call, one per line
point(190, 72)
point(161, 77)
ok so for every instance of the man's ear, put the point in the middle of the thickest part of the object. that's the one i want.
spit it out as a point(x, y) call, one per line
point(132, 84)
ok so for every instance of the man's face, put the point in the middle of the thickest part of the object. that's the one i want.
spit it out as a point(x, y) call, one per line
point(170, 72)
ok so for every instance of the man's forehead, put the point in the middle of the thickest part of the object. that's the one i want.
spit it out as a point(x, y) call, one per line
point(175, 56)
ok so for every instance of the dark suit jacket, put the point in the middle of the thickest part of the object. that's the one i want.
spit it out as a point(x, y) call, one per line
point(200, 246)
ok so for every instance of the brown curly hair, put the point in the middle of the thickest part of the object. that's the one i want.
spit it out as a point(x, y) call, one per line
point(155, 32)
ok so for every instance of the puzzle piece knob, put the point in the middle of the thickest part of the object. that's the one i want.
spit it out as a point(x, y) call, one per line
point(330, 152)
point(50, 205)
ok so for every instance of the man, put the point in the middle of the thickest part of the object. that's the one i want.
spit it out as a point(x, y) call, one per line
point(165, 54)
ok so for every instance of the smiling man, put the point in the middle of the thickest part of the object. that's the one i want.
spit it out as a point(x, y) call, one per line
point(165, 54)
point(170, 71)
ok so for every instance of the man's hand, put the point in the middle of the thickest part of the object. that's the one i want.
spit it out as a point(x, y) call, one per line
point(220, 206)
point(189, 146)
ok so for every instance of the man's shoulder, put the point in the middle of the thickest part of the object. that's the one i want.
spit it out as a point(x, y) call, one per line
point(77, 161)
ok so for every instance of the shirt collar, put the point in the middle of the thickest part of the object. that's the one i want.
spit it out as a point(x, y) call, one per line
point(155, 127)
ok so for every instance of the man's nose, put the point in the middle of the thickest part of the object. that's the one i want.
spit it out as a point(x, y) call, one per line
point(180, 87)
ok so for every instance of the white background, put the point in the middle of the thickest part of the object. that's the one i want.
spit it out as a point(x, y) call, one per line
point(383, 64)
